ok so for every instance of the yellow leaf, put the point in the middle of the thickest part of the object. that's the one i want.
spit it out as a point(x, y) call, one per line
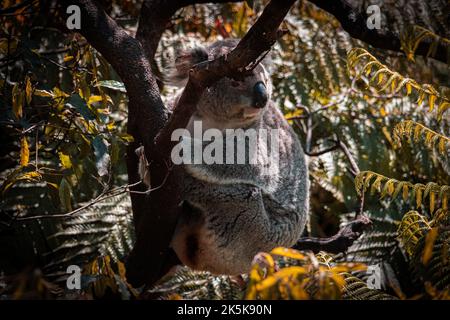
point(93, 99)
point(444, 201)
point(53, 185)
point(421, 97)
point(393, 85)
point(17, 101)
point(431, 101)
point(228, 27)
point(429, 244)
point(24, 152)
point(28, 90)
point(289, 253)
point(43, 93)
point(111, 126)
point(432, 201)
point(58, 93)
point(68, 58)
point(126, 137)
point(418, 197)
point(65, 160)
point(441, 146)
point(390, 188)
point(405, 192)
point(408, 88)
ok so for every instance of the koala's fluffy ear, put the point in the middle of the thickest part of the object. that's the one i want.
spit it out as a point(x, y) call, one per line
point(178, 73)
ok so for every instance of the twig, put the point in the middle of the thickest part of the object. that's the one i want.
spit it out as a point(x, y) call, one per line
point(103, 196)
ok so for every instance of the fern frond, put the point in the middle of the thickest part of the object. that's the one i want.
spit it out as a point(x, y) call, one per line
point(356, 289)
point(392, 187)
point(189, 284)
point(414, 35)
point(103, 229)
point(410, 128)
point(360, 62)
point(413, 228)
point(430, 262)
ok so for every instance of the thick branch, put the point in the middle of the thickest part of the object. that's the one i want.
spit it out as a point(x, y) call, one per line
point(355, 23)
point(147, 115)
point(259, 39)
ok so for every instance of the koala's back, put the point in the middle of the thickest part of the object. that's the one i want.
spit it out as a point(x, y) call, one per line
point(235, 211)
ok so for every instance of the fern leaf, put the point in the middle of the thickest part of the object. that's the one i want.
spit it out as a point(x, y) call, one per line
point(432, 139)
point(392, 187)
point(360, 61)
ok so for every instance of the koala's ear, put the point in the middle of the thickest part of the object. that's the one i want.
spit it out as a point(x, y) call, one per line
point(178, 73)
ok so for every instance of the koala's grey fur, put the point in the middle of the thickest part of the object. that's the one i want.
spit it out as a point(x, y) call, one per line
point(232, 212)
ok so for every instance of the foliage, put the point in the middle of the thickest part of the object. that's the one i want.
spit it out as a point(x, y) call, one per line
point(387, 80)
point(303, 276)
point(423, 236)
point(189, 284)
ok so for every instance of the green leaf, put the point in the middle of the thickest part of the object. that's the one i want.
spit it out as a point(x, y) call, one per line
point(112, 84)
point(77, 103)
point(102, 157)
point(65, 191)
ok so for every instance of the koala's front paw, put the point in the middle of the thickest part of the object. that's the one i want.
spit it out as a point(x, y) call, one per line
point(144, 172)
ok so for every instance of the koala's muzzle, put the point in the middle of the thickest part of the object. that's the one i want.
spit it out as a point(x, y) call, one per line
point(259, 95)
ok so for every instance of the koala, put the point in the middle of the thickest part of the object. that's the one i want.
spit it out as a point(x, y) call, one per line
point(233, 211)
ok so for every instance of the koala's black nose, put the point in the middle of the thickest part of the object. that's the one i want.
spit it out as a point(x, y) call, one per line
point(259, 95)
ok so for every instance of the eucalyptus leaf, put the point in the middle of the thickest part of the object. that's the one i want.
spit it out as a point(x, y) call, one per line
point(102, 157)
point(112, 84)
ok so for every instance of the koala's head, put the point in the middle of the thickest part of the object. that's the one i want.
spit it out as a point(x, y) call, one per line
point(227, 100)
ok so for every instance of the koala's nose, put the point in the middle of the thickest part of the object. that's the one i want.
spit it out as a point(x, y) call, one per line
point(259, 95)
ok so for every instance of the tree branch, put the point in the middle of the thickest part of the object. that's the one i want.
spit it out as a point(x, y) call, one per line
point(258, 40)
point(355, 23)
point(340, 242)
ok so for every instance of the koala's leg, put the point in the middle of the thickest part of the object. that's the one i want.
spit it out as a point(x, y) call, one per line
point(143, 168)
